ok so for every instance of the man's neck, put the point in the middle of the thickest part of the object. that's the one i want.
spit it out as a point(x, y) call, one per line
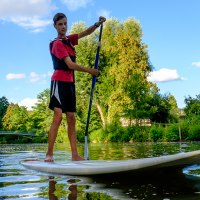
point(61, 36)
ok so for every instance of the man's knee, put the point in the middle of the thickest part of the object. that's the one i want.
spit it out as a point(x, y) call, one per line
point(57, 116)
point(71, 118)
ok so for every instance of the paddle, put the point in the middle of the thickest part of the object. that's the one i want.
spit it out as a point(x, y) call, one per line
point(86, 152)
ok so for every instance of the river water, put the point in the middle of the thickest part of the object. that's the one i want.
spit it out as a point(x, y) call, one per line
point(16, 182)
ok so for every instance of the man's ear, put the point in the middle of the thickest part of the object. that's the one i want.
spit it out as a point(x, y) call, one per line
point(54, 26)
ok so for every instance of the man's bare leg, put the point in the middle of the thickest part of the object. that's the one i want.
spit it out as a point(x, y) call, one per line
point(71, 124)
point(57, 118)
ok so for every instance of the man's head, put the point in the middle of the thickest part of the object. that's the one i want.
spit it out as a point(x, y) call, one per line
point(58, 16)
point(60, 24)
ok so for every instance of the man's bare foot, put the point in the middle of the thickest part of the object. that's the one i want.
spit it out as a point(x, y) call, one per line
point(77, 158)
point(48, 159)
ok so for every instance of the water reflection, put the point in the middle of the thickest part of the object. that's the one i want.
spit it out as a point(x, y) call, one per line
point(52, 189)
point(169, 183)
point(82, 188)
point(72, 189)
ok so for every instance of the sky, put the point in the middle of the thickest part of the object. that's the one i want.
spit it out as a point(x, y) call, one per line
point(170, 29)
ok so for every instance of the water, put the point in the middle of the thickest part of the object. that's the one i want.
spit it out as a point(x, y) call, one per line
point(16, 182)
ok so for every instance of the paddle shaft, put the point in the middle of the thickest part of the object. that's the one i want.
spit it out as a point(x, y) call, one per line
point(86, 152)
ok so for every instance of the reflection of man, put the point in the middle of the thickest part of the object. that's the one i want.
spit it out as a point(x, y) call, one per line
point(52, 189)
point(73, 194)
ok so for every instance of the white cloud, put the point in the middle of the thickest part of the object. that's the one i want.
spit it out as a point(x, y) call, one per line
point(104, 13)
point(75, 4)
point(196, 64)
point(34, 77)
point(29, 14)
point(164, 75)
point(15, 76)
point(28, 103)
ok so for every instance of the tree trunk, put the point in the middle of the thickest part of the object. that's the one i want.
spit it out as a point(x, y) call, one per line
point(101, 114)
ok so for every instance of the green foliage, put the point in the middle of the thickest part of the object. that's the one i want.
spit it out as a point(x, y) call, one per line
point(122, 54)
point(116, 133)
point(15, 118)
point(192, 105)
point(3, 107)
point(163, 108)
point(194, 133)
point(140, 133)
point(137, 90)
point(97, 136)
point(156, 133)
point(171, 133)
point(184, 128)
point(41, 115)
point(113, 132)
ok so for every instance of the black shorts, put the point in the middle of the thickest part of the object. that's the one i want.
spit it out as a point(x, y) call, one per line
point(62, 95)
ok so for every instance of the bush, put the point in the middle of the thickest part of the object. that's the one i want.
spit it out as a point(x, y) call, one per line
point(171, 133)
point(194, 132)
point(156, 133)
point(184, 126)
point(126, 135)
point(97, 136)
point(140, 134)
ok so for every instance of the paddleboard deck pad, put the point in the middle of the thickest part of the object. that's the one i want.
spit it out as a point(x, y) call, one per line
point(95, 167)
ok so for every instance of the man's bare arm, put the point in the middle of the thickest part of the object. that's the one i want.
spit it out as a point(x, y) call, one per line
point(92, 28)
point(80, 68)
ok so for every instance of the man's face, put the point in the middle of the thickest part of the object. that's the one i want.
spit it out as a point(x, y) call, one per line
point(61, 26)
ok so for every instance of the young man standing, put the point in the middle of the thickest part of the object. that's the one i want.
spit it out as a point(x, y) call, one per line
point(62, 96)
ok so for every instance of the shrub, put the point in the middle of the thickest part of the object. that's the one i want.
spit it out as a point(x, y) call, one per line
point(184, 126)
point(97, 136)
point(194, 132)
point(156, 133)
point(172, 133)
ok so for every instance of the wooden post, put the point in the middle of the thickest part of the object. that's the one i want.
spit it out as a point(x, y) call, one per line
point(179, 130)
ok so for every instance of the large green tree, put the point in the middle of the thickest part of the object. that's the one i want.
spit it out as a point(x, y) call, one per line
point(123, 57)
point(3, 107)
point(15, 118)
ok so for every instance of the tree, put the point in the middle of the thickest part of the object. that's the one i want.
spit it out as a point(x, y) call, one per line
point(163, 108)
point(138, 90)
point(15, 118)
point(3, 107)
point(174, 111)
point(41, 115)
point(123, 55)
point(192, 105)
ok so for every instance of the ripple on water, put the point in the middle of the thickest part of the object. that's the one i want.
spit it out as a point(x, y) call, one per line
point(192, 170)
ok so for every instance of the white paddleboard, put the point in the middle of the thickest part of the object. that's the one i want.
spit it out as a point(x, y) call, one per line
point(94, 167)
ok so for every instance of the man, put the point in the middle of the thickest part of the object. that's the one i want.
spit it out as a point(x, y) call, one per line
point(62, 96)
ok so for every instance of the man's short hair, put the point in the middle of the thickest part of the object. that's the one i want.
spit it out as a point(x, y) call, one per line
point(58, 16)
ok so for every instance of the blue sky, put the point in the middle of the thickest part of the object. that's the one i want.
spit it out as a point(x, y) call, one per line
point(170, 29)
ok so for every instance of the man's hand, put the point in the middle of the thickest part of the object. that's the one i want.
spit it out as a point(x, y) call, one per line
point(94, 72)
point(101, 21)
